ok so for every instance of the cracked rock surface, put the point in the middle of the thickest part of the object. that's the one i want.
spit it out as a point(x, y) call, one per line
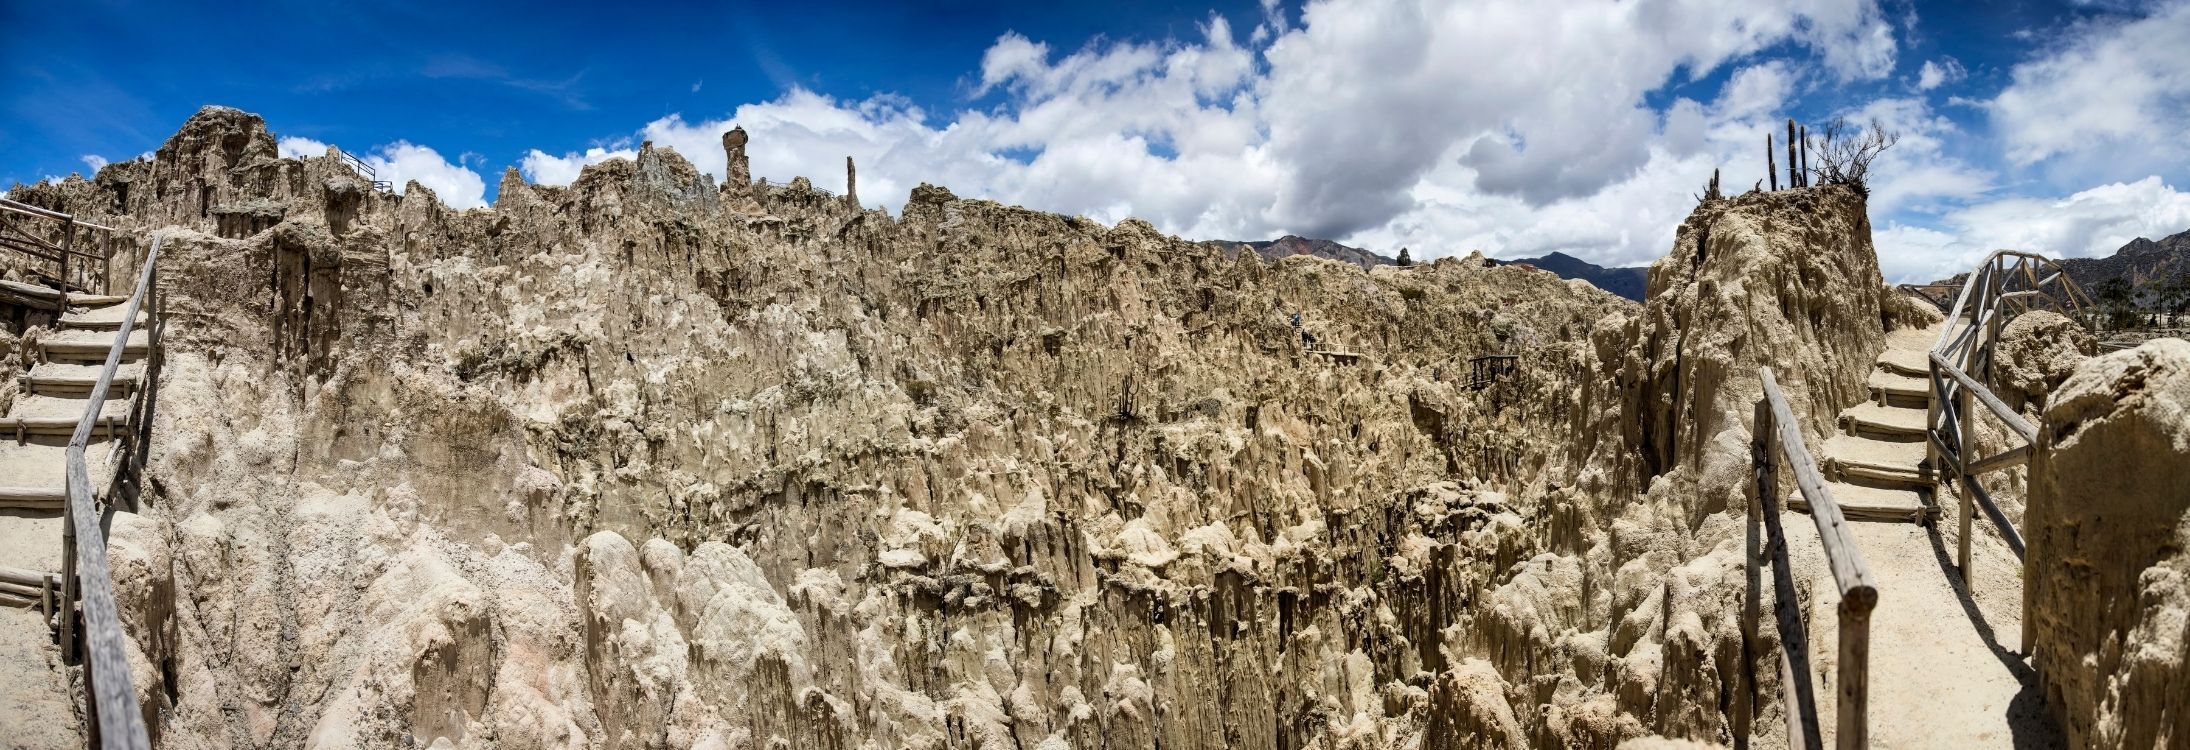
point(647, 462)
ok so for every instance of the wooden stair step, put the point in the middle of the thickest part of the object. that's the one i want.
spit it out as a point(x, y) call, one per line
point(80, 299)
point(93, 344)
point(30, 295)
point(59, 378)
point(1877, 460)
point(1899, 385)
point(100, 319)
point(1914, 363)
point(38, 414)
point(32, 498)
point(1893, 421)
point(1865, 503)
point(35, 475)
point(26, 584)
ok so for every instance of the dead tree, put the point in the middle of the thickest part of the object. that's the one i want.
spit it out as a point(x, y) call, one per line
point(1844, 154)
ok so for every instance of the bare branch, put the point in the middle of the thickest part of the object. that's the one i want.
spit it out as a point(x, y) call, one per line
point(1844, 153)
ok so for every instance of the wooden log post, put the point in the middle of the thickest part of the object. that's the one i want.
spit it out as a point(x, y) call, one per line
point(1760, 457)
point(1771, 167)
point(1965, 411)
point(68, 593)
point(1934, 383)
point(1794, 175)
point(1854, 727)
point(68, 247)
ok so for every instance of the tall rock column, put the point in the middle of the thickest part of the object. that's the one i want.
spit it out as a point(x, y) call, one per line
point(740, 176)
point(2106, 590)
point(851, 182)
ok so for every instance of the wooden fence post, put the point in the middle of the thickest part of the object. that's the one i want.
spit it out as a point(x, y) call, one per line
point(68, 245)
point(1855, 668)
point(68, 592)
point(1980, 347)
point(1760, 458)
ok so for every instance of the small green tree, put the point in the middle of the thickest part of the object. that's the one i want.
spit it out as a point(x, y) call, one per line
point(2177, 296)
point(1405, 259)
point(2119, 302)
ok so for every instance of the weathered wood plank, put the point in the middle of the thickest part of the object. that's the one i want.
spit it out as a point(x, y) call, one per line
point(2015, 422)
point(2007, 459)
point(1852, 725)
point(1849, 571)
point(24, 577)
point(119, 719)
point(2008, 532)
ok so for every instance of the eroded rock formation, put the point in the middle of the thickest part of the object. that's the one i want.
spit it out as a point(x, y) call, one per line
point(2107, 580)
point(645, 462)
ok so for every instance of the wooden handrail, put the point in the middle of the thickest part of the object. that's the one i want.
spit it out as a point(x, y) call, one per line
point(1961, 354)
point(1984, 395)
point(119, 720)
point(21, 207)
point(1775, 423)
point(25, 208)
point(1849, 571)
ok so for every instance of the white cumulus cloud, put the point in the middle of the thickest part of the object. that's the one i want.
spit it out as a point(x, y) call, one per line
point(1937, 73)
point(294, 147)
point(403, 162)
point(543, 168)
point(2089, 223)
point(1442, 126)
point(2111, 88)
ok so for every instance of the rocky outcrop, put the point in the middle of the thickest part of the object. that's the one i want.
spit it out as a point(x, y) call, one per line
point(972, 476)
point(1785, 279)
point(644, 462)
point(2037, 351)
point(2107, 578)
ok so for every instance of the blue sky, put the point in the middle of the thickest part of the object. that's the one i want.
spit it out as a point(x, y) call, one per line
point(1516, 127)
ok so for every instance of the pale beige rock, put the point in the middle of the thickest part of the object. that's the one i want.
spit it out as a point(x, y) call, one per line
point(2107, 579)
point(641, 462)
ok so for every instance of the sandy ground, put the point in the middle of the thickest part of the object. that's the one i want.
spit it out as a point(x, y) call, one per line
point(1944, 666)
point(36, 705)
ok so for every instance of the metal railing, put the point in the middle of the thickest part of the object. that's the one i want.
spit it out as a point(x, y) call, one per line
point(371, 175)
point(22, 240)
point(113, 715)
point(1778, 435)
point(2006, 284)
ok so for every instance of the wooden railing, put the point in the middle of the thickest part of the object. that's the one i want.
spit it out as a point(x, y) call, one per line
point(22, 240)
point(1778, 435)
point(112, 714)
point(2006, 284)
point(1954, 442)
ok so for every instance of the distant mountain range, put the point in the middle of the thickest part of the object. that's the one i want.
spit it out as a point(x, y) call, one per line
point(2142, 263)
point(1626, 282)
point(1630, 282)
point(1289, 245)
